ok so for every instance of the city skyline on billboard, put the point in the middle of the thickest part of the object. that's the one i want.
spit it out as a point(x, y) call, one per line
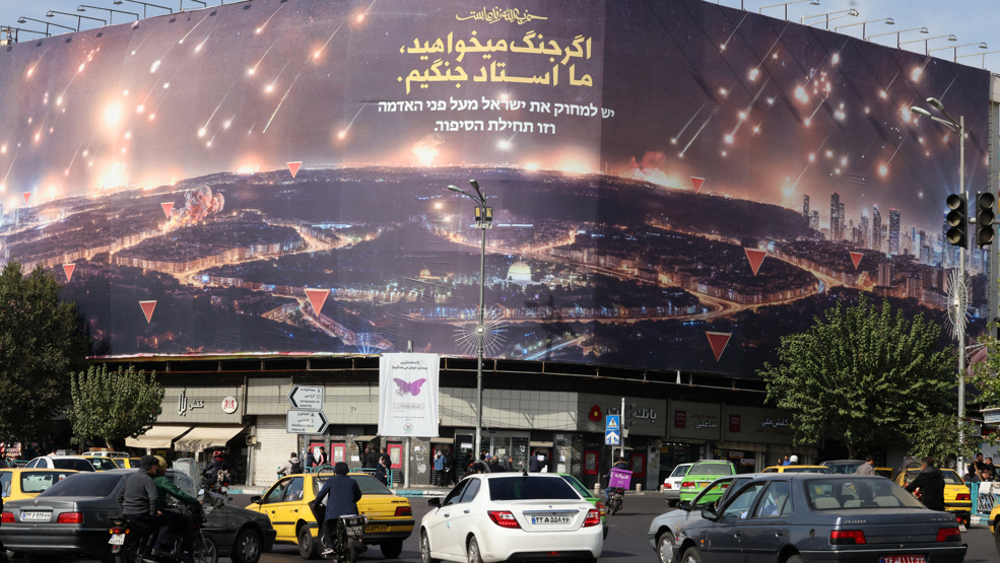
point(674, 186)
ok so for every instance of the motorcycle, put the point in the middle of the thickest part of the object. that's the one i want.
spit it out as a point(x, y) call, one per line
point(616, 500)
point(132, 541)
point(346, 540)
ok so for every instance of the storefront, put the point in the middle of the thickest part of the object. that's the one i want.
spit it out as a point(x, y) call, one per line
point(761, 436)
point(642, 432)
point(692, 431)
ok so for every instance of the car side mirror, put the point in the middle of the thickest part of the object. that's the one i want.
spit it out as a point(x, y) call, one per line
point(255, 499)
point(434, 502)
point(709, 514)
point(685, 506)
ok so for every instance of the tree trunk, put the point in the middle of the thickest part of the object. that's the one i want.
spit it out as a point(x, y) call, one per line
point(851, 452)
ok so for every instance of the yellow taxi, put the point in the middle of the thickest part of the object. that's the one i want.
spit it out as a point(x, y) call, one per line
point(127, 462)
point(995, 524)
point(798, 469)
point(957, 496)
point(20, 484)
point(390, 518)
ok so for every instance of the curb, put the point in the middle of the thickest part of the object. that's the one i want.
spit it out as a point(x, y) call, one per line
point(420, 493)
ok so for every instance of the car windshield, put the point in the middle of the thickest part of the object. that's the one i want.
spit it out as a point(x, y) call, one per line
point(711, 469)
point(34, 482)
point(950, 477)
point(844, 468)
point(531, 488)
point(680, 471)
point(860, 493)
point(368, 485)
point(97, 485)
point(103, 463)
point(72, 463)
point(823, 470)
point(578, 486)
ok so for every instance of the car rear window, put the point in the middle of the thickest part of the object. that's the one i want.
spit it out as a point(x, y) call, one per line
point(861, 493)
point(368, 485)
point(103, 463)
point(680, 471)
point(96, 485)
point(531, 488)
point(77, 464)
point(844, 468)
point(823, 470)
point(711, 469)
point(578, 486)
point(34, 482)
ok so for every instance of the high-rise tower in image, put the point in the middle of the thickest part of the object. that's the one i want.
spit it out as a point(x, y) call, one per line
point(865, 234)
point(805, 207)
point(835, 216)
point(894, 232)
point(876, 229)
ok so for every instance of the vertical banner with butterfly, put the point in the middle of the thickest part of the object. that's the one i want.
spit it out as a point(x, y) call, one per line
point(408, 395)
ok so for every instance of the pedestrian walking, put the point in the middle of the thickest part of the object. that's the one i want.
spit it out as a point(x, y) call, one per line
point(437, 478)
point(866, 468)
point(930, 483)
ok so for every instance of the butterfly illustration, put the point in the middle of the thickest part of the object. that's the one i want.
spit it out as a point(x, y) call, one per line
point(408, 388)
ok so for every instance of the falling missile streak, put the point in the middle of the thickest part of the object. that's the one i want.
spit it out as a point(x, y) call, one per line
point(203, 41)
point(746, 113)
point(895, 76)
point(165, 87)
point(250, 132)
point(136, 50)
point(253, 69)
point(698, 132)
point(895, 152)
point(681, 132)
point(9, 168)
point(217, 108)
point(350, 123)
point(273, 82)
point(281, 102)
point(320, 50)
point(950, 84)
point(263, 25)
point(727, 39)
point(72, 160)
point(156, 64)
point(801, 174)
point(190, 31)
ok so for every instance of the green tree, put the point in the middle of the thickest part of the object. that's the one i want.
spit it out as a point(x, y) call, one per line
point(871, 375)
point(41, 342)
point(114, 405)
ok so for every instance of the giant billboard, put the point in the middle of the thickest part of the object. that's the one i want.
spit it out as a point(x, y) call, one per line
point(674, 184)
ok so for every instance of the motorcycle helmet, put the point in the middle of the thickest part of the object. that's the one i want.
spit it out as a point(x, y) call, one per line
point(162, 462)
point(794, 459)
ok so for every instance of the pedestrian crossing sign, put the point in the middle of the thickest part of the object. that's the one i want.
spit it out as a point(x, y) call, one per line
point(611, 422)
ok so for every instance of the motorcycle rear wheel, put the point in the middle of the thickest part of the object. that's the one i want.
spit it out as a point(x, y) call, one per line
point(204, 551)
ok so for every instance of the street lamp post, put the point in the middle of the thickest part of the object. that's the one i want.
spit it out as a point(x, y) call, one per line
point(144, 6)
point(484, 220)
point(23, 19)
point(786, 4)
point(957, 126)
point(978, 54)
point(982, 45)
point(198, 1)
point(887, 21)
point(843, 14)
point(927, 41)
point(79, 18)
point(111, 11)
point(923, 30)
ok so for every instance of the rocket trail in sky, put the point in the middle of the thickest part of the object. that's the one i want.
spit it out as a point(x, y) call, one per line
point(72, 160)
point(201, 132)
point(156, 64)
point(686, 125)
point(343, 133)
point(9, 168)
point(320, 50)
point(275, 81)
point(698, 132)
point(190, 31)
point(746, 112)
point(723, 46)
point(808, 164)
point(281, 102)
point(253, 69)
point(263, 25)
point(205, 40)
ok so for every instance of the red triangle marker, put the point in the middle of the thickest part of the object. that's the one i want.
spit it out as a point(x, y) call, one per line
point(697, 182)
point(293, 167)
point(147, 309)
point(856, 257)
point(317, 297)
point(755, 257)
point(68, 268)
point(167, 208)
point(27, 196)
point(718, 341)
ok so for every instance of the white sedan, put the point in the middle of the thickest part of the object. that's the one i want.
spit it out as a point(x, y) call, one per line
point(503, 516)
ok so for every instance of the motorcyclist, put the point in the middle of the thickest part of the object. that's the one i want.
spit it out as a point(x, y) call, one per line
point(137, 501)
point(619, 464)
point(344, 494)
point(212, 470)
point(176, 522)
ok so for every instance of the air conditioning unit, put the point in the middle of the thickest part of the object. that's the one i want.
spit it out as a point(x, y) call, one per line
point(251, 440)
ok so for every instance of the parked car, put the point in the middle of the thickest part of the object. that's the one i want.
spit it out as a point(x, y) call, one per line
point(798, 469)
point(75, 462)
point(390, 518)
point(672, 484)
point(103, 463)
point(127, 462)
point(810, 517)
point(585, 493)
point(503, 517)
point(994, 523)
point(843, 466)
point(663, 529)
point(105, 453)
point(19, 484)
point(701, 474)
point(70, 519)
point(957, 495)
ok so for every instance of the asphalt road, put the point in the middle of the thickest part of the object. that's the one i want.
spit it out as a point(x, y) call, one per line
point(626, 541)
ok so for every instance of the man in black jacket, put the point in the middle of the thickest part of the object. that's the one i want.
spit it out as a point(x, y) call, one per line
point(344, 494)
point(930, 481)
point(137, 501)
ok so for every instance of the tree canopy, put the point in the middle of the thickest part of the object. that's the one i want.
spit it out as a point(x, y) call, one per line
point(875, 377)
point(41, 342)
point(114, 405)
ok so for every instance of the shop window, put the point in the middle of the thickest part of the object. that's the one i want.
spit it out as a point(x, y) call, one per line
point(638, 465)
point(591, 462)
point(338, 452)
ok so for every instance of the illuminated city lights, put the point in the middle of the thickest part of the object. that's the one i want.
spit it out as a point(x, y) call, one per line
point(753, 73)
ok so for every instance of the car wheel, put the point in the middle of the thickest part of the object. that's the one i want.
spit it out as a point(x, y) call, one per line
point(391, 548)
point(425, 549)
point(247, 547)
point(307, 544)
point(794, 559)
point(671, 503)
point(691, 555)
point(996, 534)
point(474, 555)
point(665, 547)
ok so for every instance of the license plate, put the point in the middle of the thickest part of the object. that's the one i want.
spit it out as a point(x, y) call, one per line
point(35, 516)
point(545, 520)
point(376, 528)
point(117, 539)
point(902, 559)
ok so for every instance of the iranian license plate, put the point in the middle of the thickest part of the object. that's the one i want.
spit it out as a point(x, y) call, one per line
point(902, 559)
point(377, 528)
point(35, 516)
point(547, 520)
point(117, 539)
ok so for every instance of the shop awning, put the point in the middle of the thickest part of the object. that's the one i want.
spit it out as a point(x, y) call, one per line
point(540, 444)
point(157, 437)
point(365, 438)
point(442, 440)
point(205, 437)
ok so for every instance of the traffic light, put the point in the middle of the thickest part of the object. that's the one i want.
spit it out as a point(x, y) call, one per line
point(958, 220)
point(985, 218)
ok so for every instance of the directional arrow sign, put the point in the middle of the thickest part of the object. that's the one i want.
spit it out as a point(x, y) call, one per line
point(306, 422)
point(612, 438)
point(306, 398)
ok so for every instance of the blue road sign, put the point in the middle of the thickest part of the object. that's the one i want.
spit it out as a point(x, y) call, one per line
point(611, 438)
point(611, 422)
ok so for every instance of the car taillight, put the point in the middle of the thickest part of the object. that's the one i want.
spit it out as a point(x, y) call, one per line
point(594, 518)
point(847, 537)
point(601, 508)
point(687, 484)
point(963, 496)
point(7, 517)
point(949, 534)
point(667, 486)
point(503, 518)
point(404, 511)
point(70, 518)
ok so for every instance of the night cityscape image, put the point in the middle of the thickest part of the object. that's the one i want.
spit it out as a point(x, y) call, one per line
point(675, 185)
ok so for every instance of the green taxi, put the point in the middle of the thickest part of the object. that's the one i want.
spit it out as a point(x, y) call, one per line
point(703, 473)
point(589, 497)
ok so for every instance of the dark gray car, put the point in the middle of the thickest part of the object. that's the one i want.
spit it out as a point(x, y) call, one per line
point(71, 519)
point(809, 517)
